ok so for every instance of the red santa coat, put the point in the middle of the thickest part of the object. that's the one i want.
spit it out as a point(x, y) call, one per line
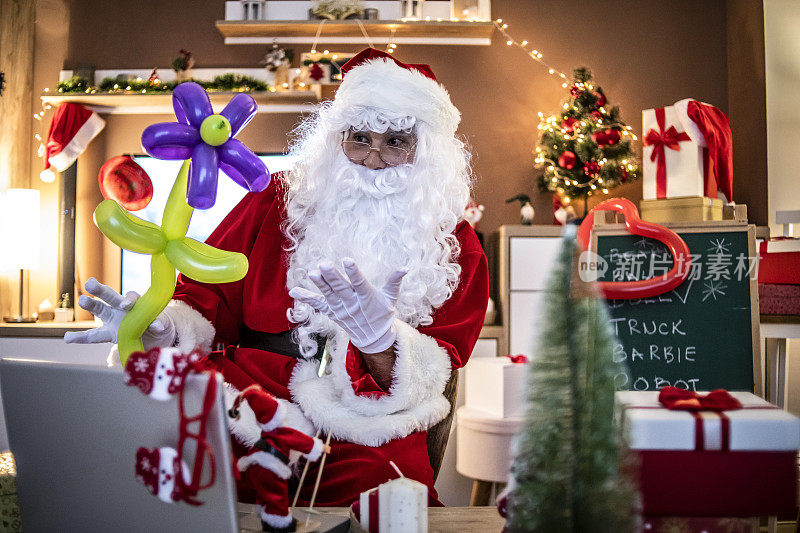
point(369, 425)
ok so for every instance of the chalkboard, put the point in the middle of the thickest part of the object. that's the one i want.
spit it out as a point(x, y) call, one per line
point(702, 335)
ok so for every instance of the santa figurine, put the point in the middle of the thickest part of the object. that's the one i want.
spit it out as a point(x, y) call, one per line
point(266, 464)
point(473, 214)
point(360, 257)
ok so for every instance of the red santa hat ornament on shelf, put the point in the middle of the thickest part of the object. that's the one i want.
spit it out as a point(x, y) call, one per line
point(375, 79)
point(710, 128)
point(159, 373)
point(71, 130)
point(163, 474)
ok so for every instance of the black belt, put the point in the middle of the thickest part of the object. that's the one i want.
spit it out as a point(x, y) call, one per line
point(265, 446)
point(279, 343)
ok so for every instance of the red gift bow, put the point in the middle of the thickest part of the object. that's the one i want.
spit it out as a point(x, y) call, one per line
point(659, 139)
point(518, 359)
point(684, 400)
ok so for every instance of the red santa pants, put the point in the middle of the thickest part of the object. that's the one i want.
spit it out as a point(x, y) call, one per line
point(272, 492)
point(350, 469)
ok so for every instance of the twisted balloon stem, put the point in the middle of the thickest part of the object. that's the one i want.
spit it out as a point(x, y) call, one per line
point(175, 221)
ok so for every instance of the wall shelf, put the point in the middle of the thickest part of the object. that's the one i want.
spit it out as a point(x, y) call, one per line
point(349, 32)
point(157, 104)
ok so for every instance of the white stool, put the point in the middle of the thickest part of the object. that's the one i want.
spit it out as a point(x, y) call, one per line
point(483, 450)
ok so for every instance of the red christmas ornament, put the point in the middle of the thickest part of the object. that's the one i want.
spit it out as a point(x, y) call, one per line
point(601, 99)
point(567, 160)
point(623, 174)
point(613, 136)
point(316, 73)
point(568, 124)
point(123, 180)
point(575, 91)
point(601, 138)
point(596, 114)
point(591, 169)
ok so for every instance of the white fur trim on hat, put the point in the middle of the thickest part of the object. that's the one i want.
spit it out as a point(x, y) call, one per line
point(382, 84)
point(193, 330)
point(246, 429)
point(265, 460)
point(415, 401)
point(77, 145)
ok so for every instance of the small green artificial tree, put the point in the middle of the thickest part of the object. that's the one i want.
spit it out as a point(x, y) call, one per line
point(585, 149)
point(571, 472)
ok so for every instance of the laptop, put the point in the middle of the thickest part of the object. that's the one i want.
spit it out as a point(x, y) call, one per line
point(74, 431)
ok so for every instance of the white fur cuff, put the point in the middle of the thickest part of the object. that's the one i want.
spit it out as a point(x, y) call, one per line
point(316, 451)
point(275, 520)
point(194, 331)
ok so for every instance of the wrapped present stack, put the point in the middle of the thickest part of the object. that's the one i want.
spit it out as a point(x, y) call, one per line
point(687, 173)
point(9, 505)
point(721, 455)
point(779, 270)
point(491, 415)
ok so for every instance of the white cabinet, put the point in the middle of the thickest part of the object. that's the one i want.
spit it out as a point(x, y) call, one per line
point(527, 255)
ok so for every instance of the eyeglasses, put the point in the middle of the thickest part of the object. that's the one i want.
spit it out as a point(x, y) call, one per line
point(358, 151)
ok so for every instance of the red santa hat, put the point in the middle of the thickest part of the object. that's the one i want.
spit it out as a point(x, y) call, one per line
point(377, 80)
point(164, 476)
point(709, 127)
point(71, 130)
point(268, 411)
point(159, 373)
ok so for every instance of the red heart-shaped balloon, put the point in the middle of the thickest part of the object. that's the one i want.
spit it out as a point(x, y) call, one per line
point(123, 180)
point(646, 288)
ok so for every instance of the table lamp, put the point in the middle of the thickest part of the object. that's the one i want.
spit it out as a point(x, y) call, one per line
point(21, 242)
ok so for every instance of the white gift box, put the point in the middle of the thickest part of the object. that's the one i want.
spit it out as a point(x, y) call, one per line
point(401, 504)
point(684, 165)
point(495, 386)
point(757, 426)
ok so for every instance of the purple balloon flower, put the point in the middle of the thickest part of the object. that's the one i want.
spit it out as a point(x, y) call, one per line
point(208, 140)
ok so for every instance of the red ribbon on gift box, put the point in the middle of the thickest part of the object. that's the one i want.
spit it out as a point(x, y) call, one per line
point(659, 140)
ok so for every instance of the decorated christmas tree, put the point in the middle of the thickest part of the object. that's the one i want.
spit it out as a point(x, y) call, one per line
point(585, 149)
point(570, 452)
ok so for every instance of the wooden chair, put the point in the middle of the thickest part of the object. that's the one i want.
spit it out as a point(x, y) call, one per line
point(440, 433)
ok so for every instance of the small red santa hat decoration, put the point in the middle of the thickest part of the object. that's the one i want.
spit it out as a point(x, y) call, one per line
point(160, 471)
point(268, 411)
point(159, 373)
point(710, 128)
point(562, 213)
point(71, 130)
point(473, 213)
point(376, 79)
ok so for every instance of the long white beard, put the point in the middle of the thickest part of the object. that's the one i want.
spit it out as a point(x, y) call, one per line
point(384, 221)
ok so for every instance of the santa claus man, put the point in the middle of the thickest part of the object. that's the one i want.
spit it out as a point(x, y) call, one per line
point(359, 253)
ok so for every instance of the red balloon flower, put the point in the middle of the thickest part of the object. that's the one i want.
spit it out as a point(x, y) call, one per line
point(591, 169)
point(123, 180)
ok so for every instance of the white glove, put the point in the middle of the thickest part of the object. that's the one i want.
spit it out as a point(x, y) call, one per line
point(366, 314)
point(111, 308)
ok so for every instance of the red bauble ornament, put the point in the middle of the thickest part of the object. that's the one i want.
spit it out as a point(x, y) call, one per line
point(567, 160)
point(596, 114)
point(612, 136)
point(568, 124)
point(123, 180)
point(601, 99)
point(600, 137)
point(623, 174)
point(575, 91)
point(591, 169)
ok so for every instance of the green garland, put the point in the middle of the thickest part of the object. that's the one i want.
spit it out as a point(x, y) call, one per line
point(224, 82)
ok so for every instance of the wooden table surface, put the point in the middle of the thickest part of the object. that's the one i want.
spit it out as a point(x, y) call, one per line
point(440, 519)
